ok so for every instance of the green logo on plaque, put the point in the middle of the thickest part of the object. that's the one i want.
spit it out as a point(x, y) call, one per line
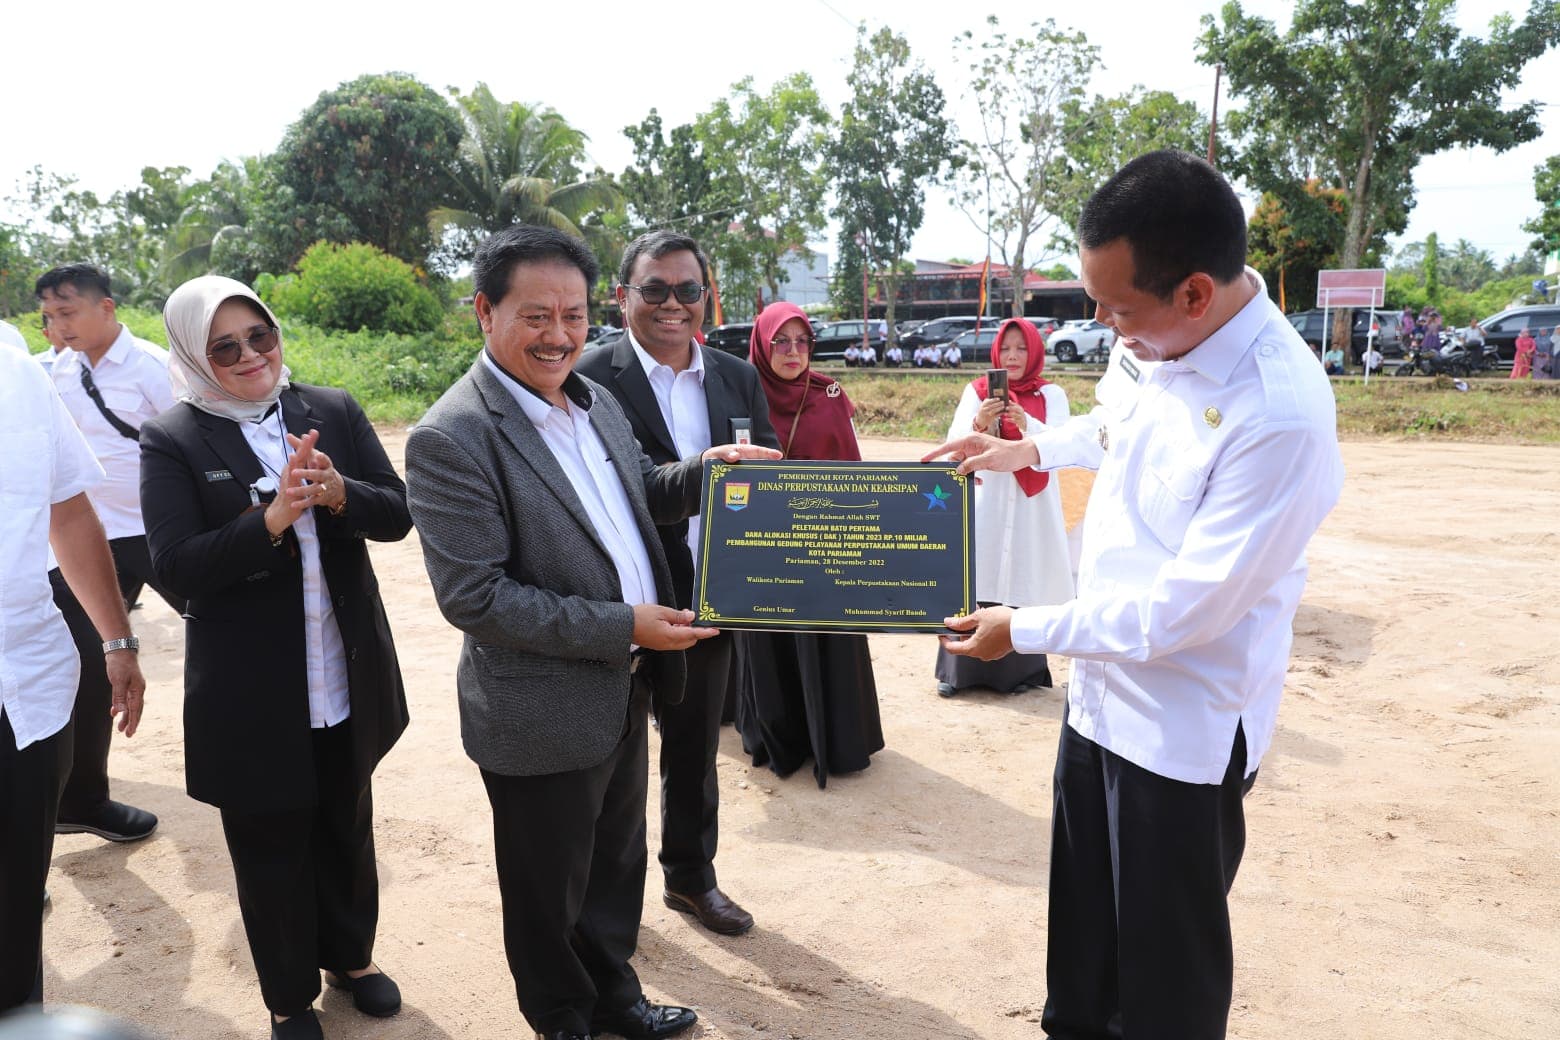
point(936, 498)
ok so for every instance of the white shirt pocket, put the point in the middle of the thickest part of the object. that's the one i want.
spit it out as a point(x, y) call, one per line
point(1170, 488)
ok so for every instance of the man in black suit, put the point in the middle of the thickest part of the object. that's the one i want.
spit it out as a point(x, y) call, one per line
point(537, 513)
point(681, 397)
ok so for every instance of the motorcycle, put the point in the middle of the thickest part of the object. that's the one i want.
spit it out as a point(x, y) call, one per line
point(1453, 361)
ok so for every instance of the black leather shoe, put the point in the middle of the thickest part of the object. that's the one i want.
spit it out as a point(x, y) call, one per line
point(713, 909)
point(115, 821)
point(645, 1021)
point(946, 689)
point(375, 994)
point(302, 1026)
point(562, 1034)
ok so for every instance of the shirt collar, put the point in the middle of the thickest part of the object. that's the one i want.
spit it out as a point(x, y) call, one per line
point(1217, 356)
point(535, 406)
point(119, 352)
point(650, 364)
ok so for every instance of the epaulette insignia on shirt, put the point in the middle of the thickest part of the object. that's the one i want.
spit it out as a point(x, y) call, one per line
point(1104, 438)
point(834, 390)
point(1132, 370)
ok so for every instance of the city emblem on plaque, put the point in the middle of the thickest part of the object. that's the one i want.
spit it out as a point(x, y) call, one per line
point(737, 496)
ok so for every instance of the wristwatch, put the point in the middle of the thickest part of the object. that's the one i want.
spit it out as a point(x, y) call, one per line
point(130, 643)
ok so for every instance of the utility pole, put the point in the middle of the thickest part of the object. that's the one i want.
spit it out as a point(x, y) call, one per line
point(1213, 124)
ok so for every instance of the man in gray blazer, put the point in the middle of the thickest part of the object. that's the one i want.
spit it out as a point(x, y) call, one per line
point(537, 510)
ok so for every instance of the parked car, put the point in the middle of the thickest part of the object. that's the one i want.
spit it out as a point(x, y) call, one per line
point(1383, 327)
point(831, 340)
point(975, 345)
point(1075, 339)
point(733, 338)
point(595, 332)
point(607, 338)
point(936, 332)
point(1500, 330)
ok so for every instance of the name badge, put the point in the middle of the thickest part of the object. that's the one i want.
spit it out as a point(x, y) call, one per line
point(214, 475)
point(1131, 369)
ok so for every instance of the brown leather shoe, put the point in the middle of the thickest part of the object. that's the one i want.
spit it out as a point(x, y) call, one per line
point(713, 909)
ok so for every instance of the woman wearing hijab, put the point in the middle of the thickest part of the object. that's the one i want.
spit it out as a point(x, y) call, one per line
point(1021, 556)
point(1522, 363)
point(804, 695)
point(258, 495)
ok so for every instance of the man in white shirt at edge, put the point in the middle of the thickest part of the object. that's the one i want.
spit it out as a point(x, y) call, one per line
point(44, 474)
point(130, 379)
point(1216, 449)
point(11, 336)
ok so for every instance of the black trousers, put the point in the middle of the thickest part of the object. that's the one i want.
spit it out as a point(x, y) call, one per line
point(308, 888)
point(30, 782)
point(86, 789)
point(690, 790)
point(571, 873)
point(1138, 942)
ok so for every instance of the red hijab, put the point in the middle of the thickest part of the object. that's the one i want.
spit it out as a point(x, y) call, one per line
point(1024, 390)
point(826, 434)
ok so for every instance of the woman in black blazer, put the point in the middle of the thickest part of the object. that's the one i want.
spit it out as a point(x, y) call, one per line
point(258, 495)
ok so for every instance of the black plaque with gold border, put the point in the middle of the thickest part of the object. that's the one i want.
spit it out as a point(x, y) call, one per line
point(835, 546)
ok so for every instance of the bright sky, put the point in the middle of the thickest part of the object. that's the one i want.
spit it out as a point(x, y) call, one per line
point(174, 82)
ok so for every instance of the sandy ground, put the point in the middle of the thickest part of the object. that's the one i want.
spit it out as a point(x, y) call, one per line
point(1400, 879)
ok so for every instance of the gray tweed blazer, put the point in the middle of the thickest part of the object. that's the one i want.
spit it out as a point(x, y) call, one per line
point(516, 565)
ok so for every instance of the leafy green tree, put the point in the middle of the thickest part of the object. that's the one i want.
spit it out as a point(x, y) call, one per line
point(1370, 87)
point(1014, 176)
point(1109, 132)
point(1465, 266)
point(761, 151)
point(351, 287)
point(517, 164)
point(367, 162)
point(1527, 263)
point(1432, 269)
point(1057, 272)
point(1288, 245)
point(893, 140)
point(1546, 188)
point(215, 232)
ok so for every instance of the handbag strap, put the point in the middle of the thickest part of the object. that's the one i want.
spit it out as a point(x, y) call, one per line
point(125, 429)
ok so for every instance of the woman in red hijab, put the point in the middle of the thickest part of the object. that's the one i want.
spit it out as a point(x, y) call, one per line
point(1021, 556)
point(804, 695)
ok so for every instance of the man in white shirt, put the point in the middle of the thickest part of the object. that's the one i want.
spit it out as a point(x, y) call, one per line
point(111, 383)
point(44, 472)
point(952, 357)
point(1216, 449)
point(680, 398)
point(894, 357)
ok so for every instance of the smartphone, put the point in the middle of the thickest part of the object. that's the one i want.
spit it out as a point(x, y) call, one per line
point(996, 383)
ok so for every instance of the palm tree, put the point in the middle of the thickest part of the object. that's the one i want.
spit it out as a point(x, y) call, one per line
point(520, 164)
point(215, 219)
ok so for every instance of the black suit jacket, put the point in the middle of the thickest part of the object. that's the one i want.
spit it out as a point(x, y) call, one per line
point(731, 391)
point(246, 694)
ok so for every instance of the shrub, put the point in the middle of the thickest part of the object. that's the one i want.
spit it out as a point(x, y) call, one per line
point(352, 287)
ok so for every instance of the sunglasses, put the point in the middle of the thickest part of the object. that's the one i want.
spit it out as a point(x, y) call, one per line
point(225, 352)
point(659, 292)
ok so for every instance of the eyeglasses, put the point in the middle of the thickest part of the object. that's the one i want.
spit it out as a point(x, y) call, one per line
point(225, 352)
point(800, 345)
point(658, 292)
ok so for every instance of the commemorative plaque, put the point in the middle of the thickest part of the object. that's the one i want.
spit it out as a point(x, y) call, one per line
point(835, 546)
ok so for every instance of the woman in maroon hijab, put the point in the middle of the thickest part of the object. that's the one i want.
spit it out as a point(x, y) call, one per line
point(804, 695)
point(1021, 556)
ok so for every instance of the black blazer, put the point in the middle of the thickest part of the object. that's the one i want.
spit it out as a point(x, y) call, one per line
point(246, 695)
point(731, 391)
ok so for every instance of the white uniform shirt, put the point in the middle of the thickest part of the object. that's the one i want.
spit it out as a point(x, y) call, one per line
point(11, 336)
point(44, 461)
point(579, 450)
point(686, 413)
point(1214, 472)
point(325, 656)
point(133, 379)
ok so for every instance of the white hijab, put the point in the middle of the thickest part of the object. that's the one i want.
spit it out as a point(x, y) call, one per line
point(187, 317)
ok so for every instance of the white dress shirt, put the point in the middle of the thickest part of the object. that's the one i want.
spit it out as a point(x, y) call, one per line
point(583, 457)
point(11, 336)
point(686, 413)
point(133, 379)
point(44, 461)
point(324, 653)
point(1214, 472)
